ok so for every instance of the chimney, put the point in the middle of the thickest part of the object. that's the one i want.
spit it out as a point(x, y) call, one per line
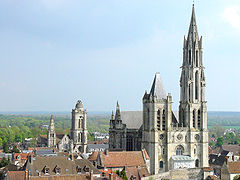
point(107, 152)
point(91, 175)
point(111, 176)
point(26, 174)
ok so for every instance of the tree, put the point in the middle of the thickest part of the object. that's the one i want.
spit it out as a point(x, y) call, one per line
point(220, 141)
point(4, 162)
point(5, 147)
point(15, 149)
point(1, 142)
point(237, 177)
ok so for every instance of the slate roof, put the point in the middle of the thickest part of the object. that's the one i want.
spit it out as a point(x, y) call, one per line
point(132, 119)
point(157, 87)
point(182, 158)
point(217, 160)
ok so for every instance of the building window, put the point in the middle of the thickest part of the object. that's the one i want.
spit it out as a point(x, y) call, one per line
point(158, 119)
point(179, 150)
point(196, 85)
point(194, 118)
point(189, 57)
point(57, 170)
point(194, 151)
point(161, 164)
point(199, 119)
point(163, 119)
point(197, 163)
point(79, 169)
point(197, 58)
point(163, 150)
point(46, 170)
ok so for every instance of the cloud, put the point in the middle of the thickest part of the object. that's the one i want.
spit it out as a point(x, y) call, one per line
point(231, 15)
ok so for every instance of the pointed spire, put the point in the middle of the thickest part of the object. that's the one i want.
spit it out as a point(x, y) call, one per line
point(193, 33)
point(157, 87)
point(118, 114)
point(112, 115)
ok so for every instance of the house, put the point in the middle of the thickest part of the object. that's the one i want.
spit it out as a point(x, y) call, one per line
point(59, 166)
point(230, 170)
point(108, 174)
point(136, 162)
point(20, 159)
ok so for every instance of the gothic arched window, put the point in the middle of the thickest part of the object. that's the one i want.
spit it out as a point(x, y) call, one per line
point(197, 163)
point(199, 118)
point(163, 120)
point(196, 85)
point(189, 57)
point(179, 150)
point(161, 164)
point(158, 119)
point(194, 118)
point(197, 58)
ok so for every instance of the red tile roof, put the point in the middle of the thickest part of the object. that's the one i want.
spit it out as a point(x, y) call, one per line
point(234, 167)
point(16, 175)
point(23, 156)
point(107, 172)
point(123, 158)
point(93, 156)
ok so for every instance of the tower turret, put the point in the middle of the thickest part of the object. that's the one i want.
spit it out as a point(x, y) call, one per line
point(51, 136)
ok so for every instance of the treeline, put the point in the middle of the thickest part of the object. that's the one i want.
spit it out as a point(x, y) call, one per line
point(15, 128)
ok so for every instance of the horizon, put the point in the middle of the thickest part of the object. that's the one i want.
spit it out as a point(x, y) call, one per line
point(54, 53)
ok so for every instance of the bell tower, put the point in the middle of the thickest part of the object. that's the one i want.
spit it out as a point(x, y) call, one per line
point(192, 108)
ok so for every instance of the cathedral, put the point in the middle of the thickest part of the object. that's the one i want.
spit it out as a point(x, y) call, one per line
point(172, 140)
point(77, 142)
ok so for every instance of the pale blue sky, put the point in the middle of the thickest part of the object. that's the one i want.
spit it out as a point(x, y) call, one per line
point(54, 52)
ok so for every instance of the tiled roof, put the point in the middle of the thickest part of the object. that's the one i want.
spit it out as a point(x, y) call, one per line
point(23, 156)
point(93, 156)
point(107, 172)
point(66, 165)
point(122, 159)
point(136, 172)
point(63, 177)
point(232, 148)
point(207, 169)
point(234, 167)
point(16, 175)
point(212, 177)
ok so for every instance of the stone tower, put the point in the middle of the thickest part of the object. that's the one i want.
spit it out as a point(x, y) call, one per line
point(192, 108)
point(51, 136)
point(117, 132)
point(157, 120)
point(173, 144)
point(79, 128)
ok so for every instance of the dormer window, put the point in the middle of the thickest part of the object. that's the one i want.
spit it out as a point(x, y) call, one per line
point(79, 169)
point(57, 170)
point(86, 169)
point(46, 170)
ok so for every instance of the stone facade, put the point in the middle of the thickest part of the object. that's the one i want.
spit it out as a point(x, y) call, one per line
point(165, 135)
point(51, 136)
point(79, 128)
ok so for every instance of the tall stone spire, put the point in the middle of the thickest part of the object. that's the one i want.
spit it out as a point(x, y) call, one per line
point(192, 32)
point(118, 114)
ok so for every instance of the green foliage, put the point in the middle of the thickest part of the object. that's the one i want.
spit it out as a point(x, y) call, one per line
point(15, 149)
point(220, 141)
point(237, 177)
point(5, 147)
point(122, 174)
point(212, 144)
point(4, 162)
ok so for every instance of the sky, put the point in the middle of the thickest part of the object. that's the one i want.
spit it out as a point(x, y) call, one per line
point(54, 52)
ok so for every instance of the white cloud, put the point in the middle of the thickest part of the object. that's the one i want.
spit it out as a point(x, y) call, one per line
point(231, 15)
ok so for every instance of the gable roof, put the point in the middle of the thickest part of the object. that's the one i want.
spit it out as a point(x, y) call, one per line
point(132, 119)
point(122, 158)
point(234, 167)
point(16, 175)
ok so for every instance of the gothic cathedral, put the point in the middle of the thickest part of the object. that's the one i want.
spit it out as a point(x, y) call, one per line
point(173, 140)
